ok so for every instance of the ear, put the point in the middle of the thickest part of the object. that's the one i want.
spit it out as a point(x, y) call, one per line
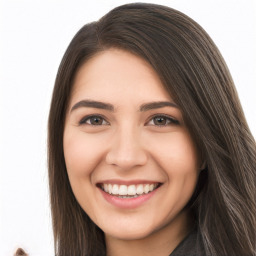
point(202, 166)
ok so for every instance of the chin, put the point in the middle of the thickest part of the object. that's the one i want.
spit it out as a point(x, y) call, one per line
point(128, 232)
point(132, 235)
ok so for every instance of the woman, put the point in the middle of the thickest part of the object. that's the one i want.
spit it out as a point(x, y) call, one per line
point(149, 149)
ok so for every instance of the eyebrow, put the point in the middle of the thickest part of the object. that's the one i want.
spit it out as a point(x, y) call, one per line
point(157, 104)
point(93, 104)
point(110, 107)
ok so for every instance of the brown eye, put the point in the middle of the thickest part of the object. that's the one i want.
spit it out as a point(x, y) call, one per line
point(93, 120)
point(162, 120)
point(96, 120)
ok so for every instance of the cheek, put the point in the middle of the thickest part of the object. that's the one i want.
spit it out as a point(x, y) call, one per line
point(82, 153)
point(175, 152)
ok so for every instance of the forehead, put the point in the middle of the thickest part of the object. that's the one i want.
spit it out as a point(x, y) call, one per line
point(117, 73)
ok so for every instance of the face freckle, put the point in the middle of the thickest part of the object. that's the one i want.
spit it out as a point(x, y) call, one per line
point(131, 161)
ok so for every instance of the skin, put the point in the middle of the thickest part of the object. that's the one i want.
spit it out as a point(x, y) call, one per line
point(129, 144)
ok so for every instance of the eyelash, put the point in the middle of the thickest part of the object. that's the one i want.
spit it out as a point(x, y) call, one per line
point(86, 118)
point(167, 118)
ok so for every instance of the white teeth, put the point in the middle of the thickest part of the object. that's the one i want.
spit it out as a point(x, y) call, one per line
point(128, 191)
point(115, 190)
point(109, 189)
point(106, 187)
point(123, 190)
point(146, 188)
point(140, 189)
point(131, 190)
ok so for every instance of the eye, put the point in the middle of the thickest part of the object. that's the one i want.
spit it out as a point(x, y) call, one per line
point(94, 120)
point(162, 120)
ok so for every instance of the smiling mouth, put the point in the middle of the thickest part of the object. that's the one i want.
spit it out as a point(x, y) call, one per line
point(130, 191)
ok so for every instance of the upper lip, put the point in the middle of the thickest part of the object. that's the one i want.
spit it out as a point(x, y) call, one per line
point(128, 182)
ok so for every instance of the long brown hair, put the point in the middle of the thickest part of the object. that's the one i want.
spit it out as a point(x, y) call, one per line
point(194, 73)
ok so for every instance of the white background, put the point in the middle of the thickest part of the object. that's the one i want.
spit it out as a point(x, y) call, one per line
point(33, 37)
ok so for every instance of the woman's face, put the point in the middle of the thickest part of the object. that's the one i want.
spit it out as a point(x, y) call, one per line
point(131, 161)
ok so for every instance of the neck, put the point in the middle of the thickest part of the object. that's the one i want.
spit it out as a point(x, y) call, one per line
point(160, 242)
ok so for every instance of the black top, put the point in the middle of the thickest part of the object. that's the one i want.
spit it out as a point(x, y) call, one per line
point(191, 245)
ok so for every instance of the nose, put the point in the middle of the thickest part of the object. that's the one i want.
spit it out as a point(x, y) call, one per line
point(126, 151)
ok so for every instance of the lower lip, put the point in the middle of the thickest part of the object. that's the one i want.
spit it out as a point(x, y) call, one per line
point(127, 203)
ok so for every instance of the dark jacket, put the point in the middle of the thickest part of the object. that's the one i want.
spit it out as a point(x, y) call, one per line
point(191, 245)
